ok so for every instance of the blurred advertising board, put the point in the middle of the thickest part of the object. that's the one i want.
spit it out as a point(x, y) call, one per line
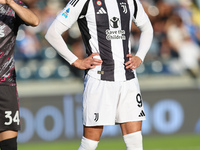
point(59, 117)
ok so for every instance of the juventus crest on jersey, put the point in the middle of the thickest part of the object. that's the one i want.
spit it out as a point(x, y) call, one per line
point(105, 26)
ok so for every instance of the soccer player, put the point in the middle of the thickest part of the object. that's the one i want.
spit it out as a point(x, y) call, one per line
point(111, 90)
point(13, 13)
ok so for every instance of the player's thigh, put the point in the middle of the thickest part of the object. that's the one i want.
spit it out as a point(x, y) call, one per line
point(130, 106)
point(131, 127)
point(8, 135)
point(9, 109)
point(100, 99)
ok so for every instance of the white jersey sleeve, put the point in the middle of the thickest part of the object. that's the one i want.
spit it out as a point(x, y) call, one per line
point(146, 38)
point(140, 16)
point(141, 20)
point(70, 14)
point(53, 36)
point(67, 17)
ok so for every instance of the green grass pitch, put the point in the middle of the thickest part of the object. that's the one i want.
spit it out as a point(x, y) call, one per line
point(176, 142)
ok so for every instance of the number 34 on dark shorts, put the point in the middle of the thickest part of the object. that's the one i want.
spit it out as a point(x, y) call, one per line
point(9, 109)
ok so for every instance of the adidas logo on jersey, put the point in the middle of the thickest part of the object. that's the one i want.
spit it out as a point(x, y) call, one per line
point(101, 11)
point(142, 114)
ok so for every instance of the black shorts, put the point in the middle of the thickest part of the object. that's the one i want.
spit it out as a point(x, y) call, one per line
point(9, 109)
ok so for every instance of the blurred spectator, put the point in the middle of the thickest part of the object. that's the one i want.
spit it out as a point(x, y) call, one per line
point(185, 11)
point(28, 45)
point(181, 41)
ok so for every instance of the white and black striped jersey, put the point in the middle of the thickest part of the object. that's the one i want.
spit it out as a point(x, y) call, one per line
point(106, 26)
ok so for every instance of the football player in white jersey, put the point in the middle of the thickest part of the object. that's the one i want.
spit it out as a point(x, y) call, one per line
point(111, 90)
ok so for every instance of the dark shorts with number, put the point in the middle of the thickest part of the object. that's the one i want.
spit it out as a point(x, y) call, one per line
point(9, 109)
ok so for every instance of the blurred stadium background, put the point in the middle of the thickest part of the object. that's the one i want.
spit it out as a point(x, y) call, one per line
point(50, 89)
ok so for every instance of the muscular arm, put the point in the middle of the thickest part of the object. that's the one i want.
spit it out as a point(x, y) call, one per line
point(25, 14)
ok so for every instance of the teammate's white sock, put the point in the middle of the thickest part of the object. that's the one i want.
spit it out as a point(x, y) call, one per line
point(87, 144)
point(133, 141)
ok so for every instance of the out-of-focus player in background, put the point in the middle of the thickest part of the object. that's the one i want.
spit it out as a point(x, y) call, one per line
point(13, 13)
point(111, 92)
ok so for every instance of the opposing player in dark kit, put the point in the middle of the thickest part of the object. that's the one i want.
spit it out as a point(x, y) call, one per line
point(13, 13)
point(111, 92)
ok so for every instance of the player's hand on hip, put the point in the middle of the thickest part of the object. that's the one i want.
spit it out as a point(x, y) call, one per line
point(88, 63)
point(133, 63)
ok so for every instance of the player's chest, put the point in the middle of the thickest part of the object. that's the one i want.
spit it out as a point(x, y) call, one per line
point(109, 12)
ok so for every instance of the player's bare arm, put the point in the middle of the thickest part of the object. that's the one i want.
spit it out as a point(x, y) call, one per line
point(25, 14)
point(5, 1)
point(134, 62)
point(87, 63)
